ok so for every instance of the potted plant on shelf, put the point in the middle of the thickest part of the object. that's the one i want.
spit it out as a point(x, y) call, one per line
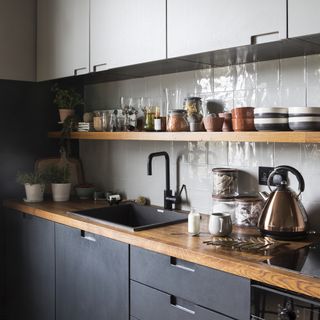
point(60, 179)
point(34, 184)
point(66, 100)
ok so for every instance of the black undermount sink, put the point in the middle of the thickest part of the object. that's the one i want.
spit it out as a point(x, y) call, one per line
point(132, 216)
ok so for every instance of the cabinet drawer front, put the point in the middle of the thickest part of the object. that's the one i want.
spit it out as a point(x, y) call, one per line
point(148, 303)
point(213, 289)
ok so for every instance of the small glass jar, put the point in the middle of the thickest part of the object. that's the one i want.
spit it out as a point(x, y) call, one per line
point(225, 182)
point(177, 121)
point(149, 119)
point(247, 211)
point(192, 105)
point(101, 120)
point(223, 205)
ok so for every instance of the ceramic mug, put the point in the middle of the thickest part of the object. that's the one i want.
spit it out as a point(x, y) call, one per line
point(220, 224)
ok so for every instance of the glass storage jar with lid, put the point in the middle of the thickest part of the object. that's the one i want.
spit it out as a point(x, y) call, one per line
point(247, 210)
point(101, 119)
point(177, 121)
point(225, 182)
point(223, 205)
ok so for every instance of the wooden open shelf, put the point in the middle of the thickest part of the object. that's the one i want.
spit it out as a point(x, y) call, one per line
point(250, 136)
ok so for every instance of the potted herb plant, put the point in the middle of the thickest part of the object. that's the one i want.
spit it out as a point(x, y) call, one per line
point(34, 184)
point(60, 179)
point(66, 100)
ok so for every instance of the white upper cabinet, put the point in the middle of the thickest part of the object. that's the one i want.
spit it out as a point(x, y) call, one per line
point(126, 32)
point(196, 26)
point(303, 17)
point(63, 38)
point(18, 39)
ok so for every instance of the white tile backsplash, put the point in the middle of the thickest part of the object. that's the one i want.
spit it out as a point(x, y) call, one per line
point(122, 166)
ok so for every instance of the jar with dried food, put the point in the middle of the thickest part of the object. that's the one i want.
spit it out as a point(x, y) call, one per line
point(247, 211)
point(225, 182)
point(177, 121)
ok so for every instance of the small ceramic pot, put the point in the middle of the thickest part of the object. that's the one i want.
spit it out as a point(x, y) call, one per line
point(61, 191)
point(242, 112)
point(212, 123)
point(34, 192)
point(243, 124)
point(64, 113)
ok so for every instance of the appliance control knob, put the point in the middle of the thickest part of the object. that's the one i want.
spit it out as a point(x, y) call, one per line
point(287, 312)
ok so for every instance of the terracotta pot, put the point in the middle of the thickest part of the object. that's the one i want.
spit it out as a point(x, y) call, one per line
point(242, 112)
point(227, 124)
point(64, 113)
point(212, 123)
point(243, 124)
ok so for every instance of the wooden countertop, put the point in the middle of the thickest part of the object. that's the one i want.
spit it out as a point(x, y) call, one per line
point(175, 241)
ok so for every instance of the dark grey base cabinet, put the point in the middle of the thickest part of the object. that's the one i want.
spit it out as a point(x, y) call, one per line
point(92, 275)
point(29, 267)
point(184, 290)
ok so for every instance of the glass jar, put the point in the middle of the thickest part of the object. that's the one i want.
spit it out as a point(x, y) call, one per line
point(247, 211)
point(225, 182)
point(223, 205)
point(101, 120)
point(192, 105)
point(149, 119)
point(177, 121)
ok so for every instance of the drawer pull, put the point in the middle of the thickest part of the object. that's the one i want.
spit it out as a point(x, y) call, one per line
point(95, 68)
point(181, 264)
point(181, 305)
point(87, 236)
point(76, 71)
point(265, 37)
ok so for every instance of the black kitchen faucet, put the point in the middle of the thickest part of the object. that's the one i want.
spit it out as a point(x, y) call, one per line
point(168, 198)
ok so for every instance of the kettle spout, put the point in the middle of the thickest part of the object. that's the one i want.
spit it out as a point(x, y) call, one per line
point(264, 195)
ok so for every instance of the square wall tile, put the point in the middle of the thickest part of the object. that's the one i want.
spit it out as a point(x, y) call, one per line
point(313, 209)
point(310, 158)
point(220, 101)
point(217, 153)
point(287, 154)
point(246, 76)
point(268, 74)
point(292, 72)
point(313, 96)
point(197, 153)
point(268, 97)
point(224, 78)
point(203, 81)
point(154, 87)
point(240, 154)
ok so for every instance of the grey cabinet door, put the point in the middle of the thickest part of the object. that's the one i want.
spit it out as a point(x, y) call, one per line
point(213, 289)
point(92, 276)
point(29, 267)
point(303, 17)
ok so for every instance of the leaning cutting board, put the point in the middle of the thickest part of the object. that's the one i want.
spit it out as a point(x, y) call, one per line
point(76, 171)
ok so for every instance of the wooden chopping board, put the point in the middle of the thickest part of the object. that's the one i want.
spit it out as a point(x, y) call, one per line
point(76, 170)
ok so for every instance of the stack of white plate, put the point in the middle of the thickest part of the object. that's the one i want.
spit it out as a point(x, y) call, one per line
point(271, 119)
point(304, 118)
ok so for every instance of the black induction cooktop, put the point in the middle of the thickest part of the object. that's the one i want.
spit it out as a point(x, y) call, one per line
point(305, 260)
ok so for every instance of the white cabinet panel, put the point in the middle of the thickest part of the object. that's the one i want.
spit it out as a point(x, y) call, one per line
point(63, 38)
point(126, 32)
point(303, 17)
point(17, 38)
point(196, 26)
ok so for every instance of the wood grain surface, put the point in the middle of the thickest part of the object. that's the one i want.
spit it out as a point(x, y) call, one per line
point(250, 136)
point(176, 242)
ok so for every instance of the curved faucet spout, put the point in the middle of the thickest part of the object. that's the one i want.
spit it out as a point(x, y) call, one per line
point(159, 154)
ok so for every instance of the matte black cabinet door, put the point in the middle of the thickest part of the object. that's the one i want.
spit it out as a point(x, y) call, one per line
point(92, 276)
point(29, 267)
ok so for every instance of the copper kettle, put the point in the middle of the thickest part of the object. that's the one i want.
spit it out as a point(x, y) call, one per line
point(283, 215)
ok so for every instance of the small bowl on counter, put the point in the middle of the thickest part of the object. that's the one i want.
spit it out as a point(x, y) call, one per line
point(271, 119)
point(304, 118)
point(85, 191)
point(213, 123)
point(243, 119)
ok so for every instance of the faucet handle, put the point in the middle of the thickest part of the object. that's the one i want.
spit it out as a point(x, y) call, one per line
point(183, 187)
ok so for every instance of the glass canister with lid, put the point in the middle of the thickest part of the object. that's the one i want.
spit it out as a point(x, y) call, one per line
point(247, 210)
point(177, 121)
point(101, 119)
point(225, 182)
point(223, 205)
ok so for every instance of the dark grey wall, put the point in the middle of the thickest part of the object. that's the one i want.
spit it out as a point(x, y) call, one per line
point(26, 116)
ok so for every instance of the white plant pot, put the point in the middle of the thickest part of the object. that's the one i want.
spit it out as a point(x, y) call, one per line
point(61, 191)
point(34, 192)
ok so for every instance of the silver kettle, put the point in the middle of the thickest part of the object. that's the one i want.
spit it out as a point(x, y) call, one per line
point(283, 215)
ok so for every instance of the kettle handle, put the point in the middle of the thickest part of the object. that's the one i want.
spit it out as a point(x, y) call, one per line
point(293, 171)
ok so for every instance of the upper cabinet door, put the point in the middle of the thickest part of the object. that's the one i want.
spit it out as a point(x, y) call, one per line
point(196, 26)
point(126, 32)
point(63, 38)
point(18, 40)
point(303, 17)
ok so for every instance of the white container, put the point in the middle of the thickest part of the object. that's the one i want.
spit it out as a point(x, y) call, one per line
point(34, 192)
point(194, 222)
point(224, 205)
point(61, 191)
point(220, 224)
